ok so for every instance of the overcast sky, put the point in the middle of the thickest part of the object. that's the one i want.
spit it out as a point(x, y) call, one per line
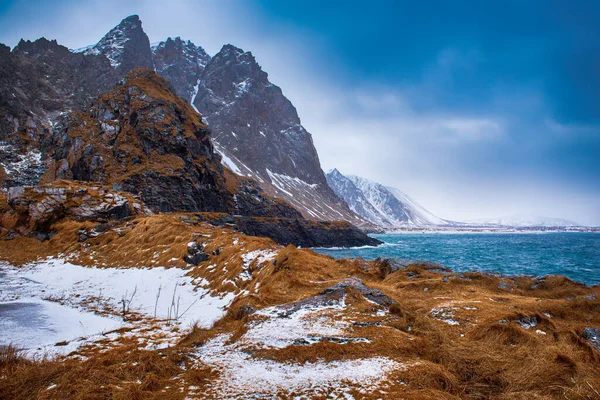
point(473, 110)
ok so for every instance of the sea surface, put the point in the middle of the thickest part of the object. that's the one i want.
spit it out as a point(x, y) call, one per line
point(575, 255)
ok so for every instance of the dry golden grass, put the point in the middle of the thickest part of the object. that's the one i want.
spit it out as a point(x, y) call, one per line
point(486, 356)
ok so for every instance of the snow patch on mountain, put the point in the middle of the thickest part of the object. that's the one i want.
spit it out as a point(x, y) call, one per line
point(111, 45)
point(126, 46)
point(385, 206)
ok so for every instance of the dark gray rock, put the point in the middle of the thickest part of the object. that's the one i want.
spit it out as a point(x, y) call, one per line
point(504, 286)
point(527, 322)
point(592, 335)
point(336, 293)
point(195, 254)
point(306, 233)
point(250, 200)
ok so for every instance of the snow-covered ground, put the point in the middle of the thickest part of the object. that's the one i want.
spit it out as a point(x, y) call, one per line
point(243, 375)
point(37, 325)
point(67, 301)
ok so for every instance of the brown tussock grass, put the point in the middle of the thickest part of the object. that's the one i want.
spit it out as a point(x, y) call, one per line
point(480, 358)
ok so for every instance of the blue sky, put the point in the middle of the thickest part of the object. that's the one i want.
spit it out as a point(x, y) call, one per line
point(475, 109)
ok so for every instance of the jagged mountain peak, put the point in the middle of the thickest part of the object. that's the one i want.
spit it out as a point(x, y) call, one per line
point(243, 62)
point(133, 20)
point(182, 62)
point(334, 172)
point(177, 43)
point(37, 46)
point(231, 49)
point(126, 46)
point(174, 50)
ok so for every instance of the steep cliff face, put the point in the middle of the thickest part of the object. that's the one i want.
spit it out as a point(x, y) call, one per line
point(39, 82)
point(182, 64)
point(258, 132)
point(42, 81)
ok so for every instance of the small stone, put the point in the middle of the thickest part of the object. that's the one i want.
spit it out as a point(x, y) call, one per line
point(592, 335)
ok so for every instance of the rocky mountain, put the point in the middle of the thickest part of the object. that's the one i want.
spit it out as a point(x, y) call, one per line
point(258, 132)
point(384, 206)
point(126, 46)
point(143, 139)
point(182, 63)
point(255, 127)
point(41, 81)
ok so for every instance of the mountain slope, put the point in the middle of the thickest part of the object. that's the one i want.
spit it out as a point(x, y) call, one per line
point(40, 82)
point(356, 199)
point(383, 206)
point(258, 132)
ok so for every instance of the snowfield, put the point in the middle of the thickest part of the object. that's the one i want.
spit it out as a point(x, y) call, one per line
point(67, 300)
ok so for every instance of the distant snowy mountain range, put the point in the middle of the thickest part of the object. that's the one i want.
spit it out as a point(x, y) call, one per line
point(525, 220)
point(390, 208)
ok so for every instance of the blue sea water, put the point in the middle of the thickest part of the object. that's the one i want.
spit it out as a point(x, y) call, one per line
point(575, 255)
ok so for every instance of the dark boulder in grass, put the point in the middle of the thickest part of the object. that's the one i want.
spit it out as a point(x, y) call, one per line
point(196, 254)
point(336, 293)
point(592, 335)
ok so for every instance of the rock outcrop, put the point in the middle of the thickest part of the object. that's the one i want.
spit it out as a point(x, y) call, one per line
point(297, 231)
point(32, 211)
point(336, 293)
point(143, 139)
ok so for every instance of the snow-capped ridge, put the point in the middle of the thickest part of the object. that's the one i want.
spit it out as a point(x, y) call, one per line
point(384, 206)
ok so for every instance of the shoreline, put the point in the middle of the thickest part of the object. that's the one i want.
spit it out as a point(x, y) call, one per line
point(450, 231)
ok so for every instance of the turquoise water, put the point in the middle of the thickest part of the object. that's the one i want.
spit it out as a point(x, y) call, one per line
point(575, 255)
